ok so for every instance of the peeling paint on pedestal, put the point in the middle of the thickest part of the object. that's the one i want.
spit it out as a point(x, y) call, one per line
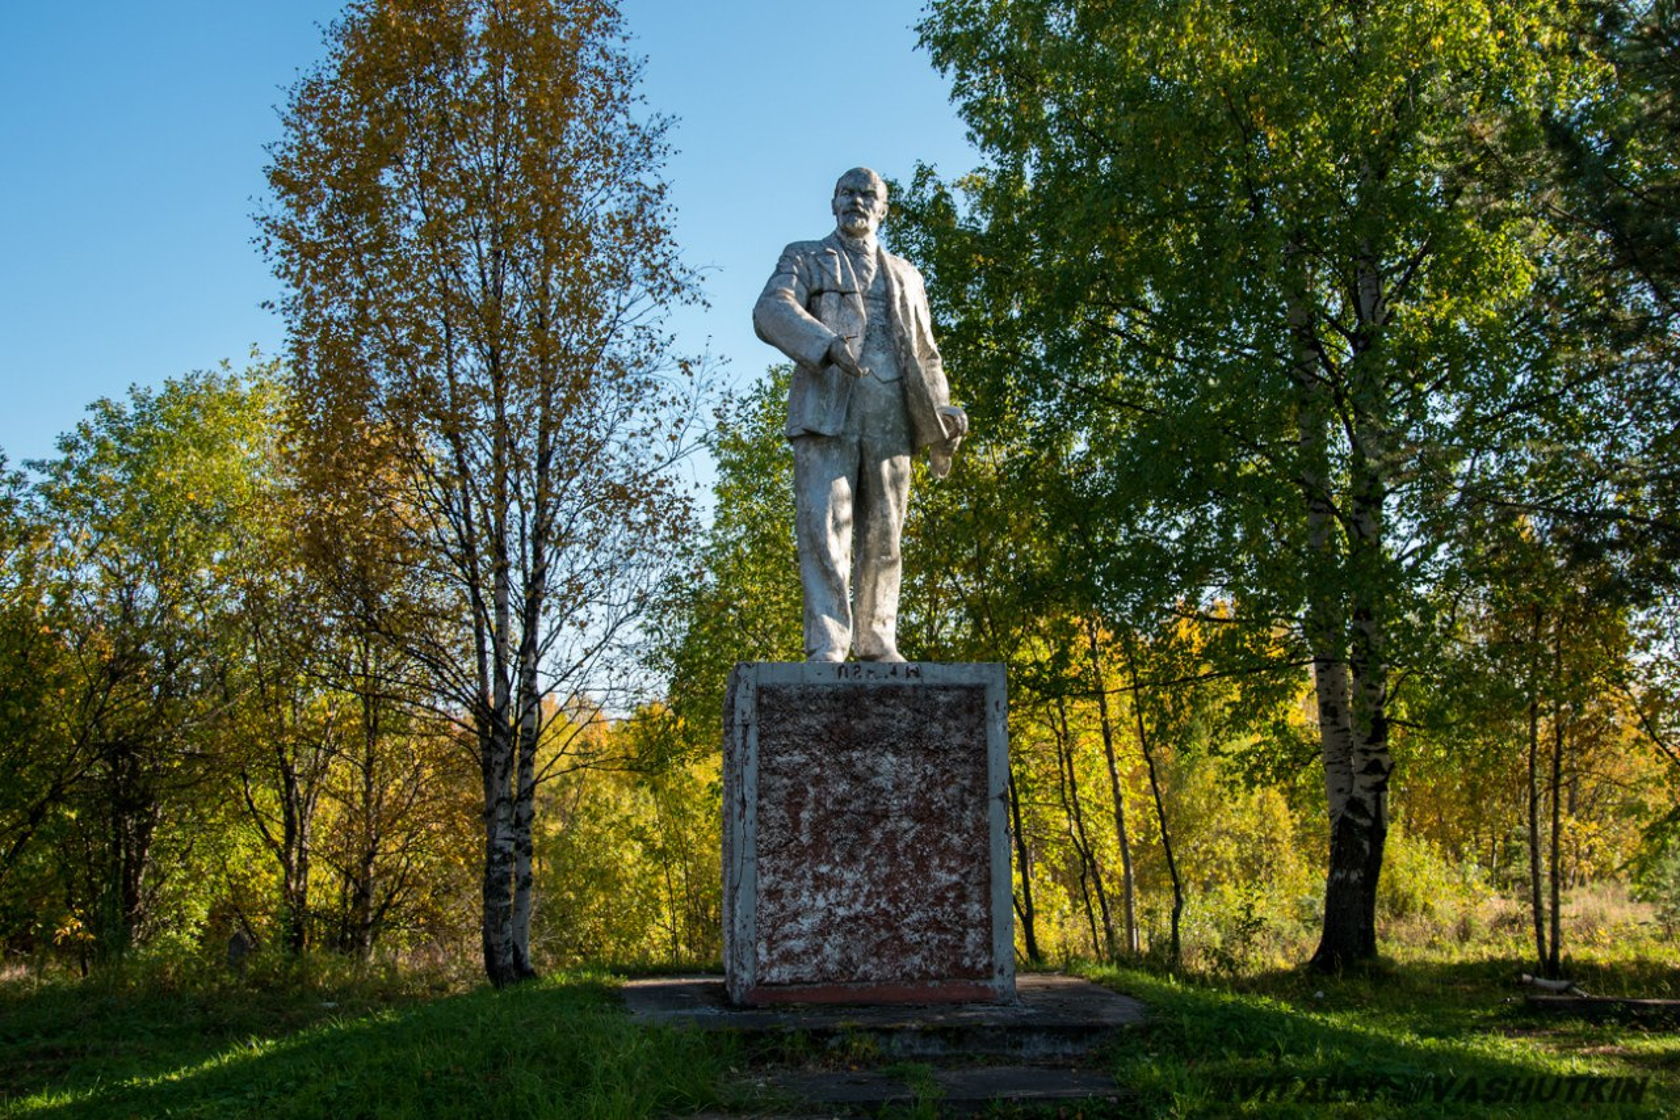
point(865, 855)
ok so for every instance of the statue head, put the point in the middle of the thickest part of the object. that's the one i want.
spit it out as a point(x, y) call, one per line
point(860, 202)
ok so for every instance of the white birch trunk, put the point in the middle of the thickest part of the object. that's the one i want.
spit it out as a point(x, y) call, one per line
point(1358, 787)
point(524, 811)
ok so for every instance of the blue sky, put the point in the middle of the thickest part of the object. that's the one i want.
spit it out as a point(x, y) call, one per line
point(131, 155)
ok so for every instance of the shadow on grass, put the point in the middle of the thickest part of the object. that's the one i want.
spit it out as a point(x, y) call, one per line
point(1425, 1039)
point(114, 1027)
point(542, 1049)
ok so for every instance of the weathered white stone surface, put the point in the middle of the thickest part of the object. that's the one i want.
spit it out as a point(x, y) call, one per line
point(868, 392)
point(865, 852)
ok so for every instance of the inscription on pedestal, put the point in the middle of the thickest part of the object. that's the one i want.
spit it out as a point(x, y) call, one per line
point(864, 850)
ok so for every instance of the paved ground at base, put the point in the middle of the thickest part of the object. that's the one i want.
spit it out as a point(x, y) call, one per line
point(1034, 1050)
point(1045, 1003)
point(953, 1089)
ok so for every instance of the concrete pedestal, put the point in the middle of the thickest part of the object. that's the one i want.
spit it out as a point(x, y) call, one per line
point(866, 857)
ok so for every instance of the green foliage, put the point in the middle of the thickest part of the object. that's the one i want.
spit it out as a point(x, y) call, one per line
point(1656, 871)
point(1418, 881)
point(631, 867)
point(1278, 293)
point(34, 772)
point(189, 748)
point(739, 599)
point(1620, 170)
point(147, 504)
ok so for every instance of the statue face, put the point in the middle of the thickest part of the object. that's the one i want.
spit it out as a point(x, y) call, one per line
point(860, 202)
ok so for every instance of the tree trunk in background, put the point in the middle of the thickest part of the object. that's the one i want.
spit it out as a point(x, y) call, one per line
point(1358, 780)
point(1176, 945)
point(133, 818)
point(1536, 898)
point(524, 812)
point(500, 959)
point(1128, 879)
point(1355, 780)
point(296, 827)
point(297, 788)
point(1082, 842)
point(1024, 904)
point(1553, 962)
point(1089, 875)
point(360, 915)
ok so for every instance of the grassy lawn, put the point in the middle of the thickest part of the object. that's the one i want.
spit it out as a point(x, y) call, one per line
point(1419, 1039)
point(559, 1047)
point(1387, 1042)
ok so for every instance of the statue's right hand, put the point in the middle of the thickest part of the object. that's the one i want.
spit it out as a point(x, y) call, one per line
point(841, 355)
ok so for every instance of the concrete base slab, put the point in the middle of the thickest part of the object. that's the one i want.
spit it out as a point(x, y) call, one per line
point(954, 1089)
point(1053, 1016)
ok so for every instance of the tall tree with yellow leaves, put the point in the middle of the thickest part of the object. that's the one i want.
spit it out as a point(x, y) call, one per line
point(469, 219)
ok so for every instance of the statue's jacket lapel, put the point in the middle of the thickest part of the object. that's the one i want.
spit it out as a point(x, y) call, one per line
point(814, 295)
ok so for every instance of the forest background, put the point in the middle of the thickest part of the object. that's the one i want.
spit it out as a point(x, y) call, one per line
point(1321, 502)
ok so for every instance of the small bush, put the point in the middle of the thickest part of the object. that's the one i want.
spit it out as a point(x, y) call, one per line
point(1423, 899)
point(1656, 875)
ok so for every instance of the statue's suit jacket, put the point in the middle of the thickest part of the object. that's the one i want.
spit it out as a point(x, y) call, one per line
point(813, 296)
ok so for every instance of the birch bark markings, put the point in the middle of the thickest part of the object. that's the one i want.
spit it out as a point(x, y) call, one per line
point(470, 221)
point(1536, 899)
point(1281, 248)
point(1325, 630)
point(1345, 609)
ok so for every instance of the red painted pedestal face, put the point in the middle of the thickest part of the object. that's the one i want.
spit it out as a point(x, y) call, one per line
point(860, 857)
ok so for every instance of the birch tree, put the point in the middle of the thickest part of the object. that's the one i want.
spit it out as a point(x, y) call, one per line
point(1274, 274)
point(477, 251)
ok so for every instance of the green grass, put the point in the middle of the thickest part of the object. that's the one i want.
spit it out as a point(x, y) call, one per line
point(559, 1047)
point(1389, 1041)
point(322, 1040)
